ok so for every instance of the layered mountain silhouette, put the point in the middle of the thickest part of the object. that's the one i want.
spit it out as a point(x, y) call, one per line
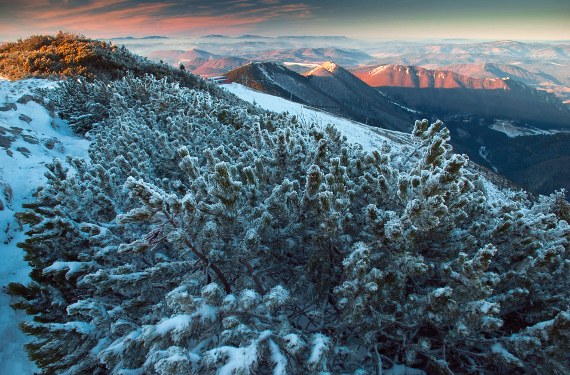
point(206, 67)
point(312, 55)
point(557, 83)
point(176, 56)
point(490, 70)
point(328, 87)
point(278, 55)
point(479, 51)
point(198, 62)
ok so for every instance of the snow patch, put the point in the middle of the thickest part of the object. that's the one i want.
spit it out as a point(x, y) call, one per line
point(406, 108)
point(378, 70)
point(499, 350)
point(301, 64)
point(442, 292)
point(320, 344)
point(278, 358)
point(177, 322)
point(513, 131)
point(72, 267)
point(206, 312)
point(265, 73)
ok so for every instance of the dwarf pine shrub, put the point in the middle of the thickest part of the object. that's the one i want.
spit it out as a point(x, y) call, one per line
point(205, 236)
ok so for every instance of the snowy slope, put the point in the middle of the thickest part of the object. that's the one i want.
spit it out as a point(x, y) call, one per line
point(368, 136)
point(29, 138)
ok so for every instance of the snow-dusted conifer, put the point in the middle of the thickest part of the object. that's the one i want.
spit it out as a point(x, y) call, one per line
point(205, 237)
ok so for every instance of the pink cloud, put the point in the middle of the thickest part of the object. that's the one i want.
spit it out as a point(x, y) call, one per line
point(45, 9)
point(102, 17)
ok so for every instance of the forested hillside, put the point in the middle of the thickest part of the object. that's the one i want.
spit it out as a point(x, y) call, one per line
point(205, 235)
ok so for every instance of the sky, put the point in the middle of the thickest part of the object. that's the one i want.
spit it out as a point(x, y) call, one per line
point(364, 19)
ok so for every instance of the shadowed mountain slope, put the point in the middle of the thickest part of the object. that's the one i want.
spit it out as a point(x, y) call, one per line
point(355, 95)
point(328, 87)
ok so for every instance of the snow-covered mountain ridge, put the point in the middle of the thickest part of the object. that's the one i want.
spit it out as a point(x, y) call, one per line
point(370, 137)
point(327, 86)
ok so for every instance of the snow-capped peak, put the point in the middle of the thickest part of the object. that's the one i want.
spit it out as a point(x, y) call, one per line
point(330, 66)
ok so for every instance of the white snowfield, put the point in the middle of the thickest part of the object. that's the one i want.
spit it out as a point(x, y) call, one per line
point(30, 137)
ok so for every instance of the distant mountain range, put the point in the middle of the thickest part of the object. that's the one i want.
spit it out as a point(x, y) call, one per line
point(490, 70)
point(462, 48)
point(298, 55)
point(446, 93)
point(285, 37)
point(538, 65)
point(205, 67)
point(143, 38)
point(536, 79)
point(312, 55)
point(177, 56)
point(502, 48)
